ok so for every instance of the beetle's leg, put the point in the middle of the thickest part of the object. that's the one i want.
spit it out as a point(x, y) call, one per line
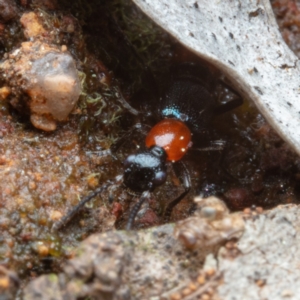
point(217, 145)
point(74, 211)
point(135, 209)
point(141, 128)
point(221, 159)
point(125, 104)
point(223, 108)
point(182, 172)
point(236, 100)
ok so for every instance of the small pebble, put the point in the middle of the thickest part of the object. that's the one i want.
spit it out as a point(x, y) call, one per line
point(2, 160)
point(4, 92)
point(32, 185)
point(37, 176)
point(201, 279)
point(92, 181)
point(205, 297)
point(55, 215)
point(192, 286)
point(247, 211)
point(260, 282)
point(10, 242)
point(259, 210)
point(42, 249)
point(210, 291)
point(210, 272)
point(230, 245)
point(20, 201)
point(176, 296)
point(43, 220)
point(4, 282)
point(186, 292)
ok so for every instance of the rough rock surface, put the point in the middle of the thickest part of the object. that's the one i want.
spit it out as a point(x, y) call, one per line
point(32, 25)
point(48, 288)
point(269, 260)
point(211, 225)
point(144, 264)
point(263, 264)
point(48, 76)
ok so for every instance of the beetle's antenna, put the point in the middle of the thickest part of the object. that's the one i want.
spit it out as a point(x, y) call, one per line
point(125, 104)
point(74, 211)
point(135, 209)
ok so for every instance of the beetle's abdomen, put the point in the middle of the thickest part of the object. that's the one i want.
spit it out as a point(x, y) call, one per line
point(172, 135)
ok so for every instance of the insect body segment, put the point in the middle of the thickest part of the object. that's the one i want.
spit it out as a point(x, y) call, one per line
point(145, 170)
point(189, 98)
point(187, 107)
point(171, 135)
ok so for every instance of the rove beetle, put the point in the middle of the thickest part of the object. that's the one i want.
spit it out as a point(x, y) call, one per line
point(184, 113)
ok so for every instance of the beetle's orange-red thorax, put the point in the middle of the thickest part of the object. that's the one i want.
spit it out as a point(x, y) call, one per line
point(172, 135)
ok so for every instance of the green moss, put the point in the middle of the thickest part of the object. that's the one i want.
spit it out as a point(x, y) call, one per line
point(126, 40)
point(53, 278)
point(150, 41)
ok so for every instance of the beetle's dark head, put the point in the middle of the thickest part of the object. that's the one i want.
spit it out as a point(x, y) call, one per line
point(145, 170)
